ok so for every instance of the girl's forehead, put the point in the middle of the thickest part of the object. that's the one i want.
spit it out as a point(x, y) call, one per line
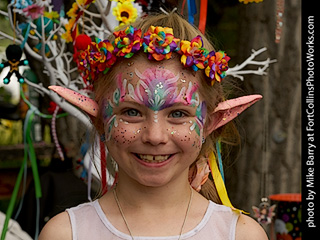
point(151, 72)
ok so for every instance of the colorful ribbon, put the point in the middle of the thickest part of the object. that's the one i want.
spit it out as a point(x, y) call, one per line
point(192, 10)
point(218, 147)
point(219, 183)
point(203, 15)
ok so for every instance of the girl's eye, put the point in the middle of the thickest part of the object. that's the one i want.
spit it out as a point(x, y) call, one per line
point(177, 114)
point(132, 112)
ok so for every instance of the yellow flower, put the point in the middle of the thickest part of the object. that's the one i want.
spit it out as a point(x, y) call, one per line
point(73, 10)
point(67, 35)
point(51, 15)
point(70, 24)
point(81, 2)
point(125, 12)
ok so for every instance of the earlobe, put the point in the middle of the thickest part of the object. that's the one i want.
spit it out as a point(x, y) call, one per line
point(230, 109)
point(85, 103)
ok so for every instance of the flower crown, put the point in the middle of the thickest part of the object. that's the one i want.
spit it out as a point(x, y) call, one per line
point(158, 43)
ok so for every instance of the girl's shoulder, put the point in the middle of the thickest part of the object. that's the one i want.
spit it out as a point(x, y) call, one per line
point(248, 229)
point(59, 227)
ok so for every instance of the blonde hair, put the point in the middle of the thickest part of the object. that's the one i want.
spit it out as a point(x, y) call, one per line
point(211, 95)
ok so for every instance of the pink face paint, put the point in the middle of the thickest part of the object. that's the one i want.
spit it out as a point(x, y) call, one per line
point(156, 88)
point(122, 83)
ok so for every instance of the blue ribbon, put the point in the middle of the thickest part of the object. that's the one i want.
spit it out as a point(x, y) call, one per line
point(192, 10)
point(218, 146)
point(26, 36)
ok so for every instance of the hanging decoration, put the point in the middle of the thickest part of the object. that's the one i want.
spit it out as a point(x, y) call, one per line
point(264, 213)
point(44, 25)
point(13, 54)
point(280, 12)
point(203, 15)
point(29, 153)
point(54, 133)
point(192, 10)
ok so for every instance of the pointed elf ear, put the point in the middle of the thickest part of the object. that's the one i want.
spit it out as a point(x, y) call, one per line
point(230, 109)
point(85, 103)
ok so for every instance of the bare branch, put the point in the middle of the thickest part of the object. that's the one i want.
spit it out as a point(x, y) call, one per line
point(237, 71)
point(4, 13)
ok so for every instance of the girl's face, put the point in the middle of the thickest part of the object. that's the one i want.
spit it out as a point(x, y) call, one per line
point(153, 121)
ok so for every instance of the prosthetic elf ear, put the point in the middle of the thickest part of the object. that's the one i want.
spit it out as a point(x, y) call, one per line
point(230, 109)
point(85, 103)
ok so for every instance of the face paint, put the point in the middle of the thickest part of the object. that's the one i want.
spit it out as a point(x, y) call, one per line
point(160, 116)
point(156, 88)
point(200, 120)
point(110, 119)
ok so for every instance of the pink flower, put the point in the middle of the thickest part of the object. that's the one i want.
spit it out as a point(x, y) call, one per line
point(33, 11)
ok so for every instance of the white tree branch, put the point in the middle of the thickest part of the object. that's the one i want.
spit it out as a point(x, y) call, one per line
point(237, 71)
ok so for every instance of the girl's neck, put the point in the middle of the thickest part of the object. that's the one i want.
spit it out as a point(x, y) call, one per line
point(163, 209)
point(170, 195)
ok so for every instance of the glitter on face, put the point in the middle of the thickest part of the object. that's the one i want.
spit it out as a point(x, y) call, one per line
point(155, 116)
point(156, 88)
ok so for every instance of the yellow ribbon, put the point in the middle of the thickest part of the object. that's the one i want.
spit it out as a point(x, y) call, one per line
point(222, 191)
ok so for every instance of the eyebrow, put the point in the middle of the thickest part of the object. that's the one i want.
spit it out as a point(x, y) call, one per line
point(175, 104)
point(132, 102)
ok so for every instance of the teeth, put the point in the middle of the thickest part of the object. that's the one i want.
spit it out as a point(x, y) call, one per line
point(156, 159)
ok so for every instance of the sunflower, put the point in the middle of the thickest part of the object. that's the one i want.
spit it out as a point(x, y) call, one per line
point(74, 10)
point(125, 12)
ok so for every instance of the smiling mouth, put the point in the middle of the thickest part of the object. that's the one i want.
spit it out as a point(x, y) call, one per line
point(153, 158)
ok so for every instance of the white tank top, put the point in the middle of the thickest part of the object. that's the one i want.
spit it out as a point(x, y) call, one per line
point(88, 222)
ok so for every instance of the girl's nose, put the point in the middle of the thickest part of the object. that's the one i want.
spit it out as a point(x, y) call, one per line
point(155, 132)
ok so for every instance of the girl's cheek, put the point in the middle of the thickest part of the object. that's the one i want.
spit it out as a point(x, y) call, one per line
point(125, 133)
point(188, 134)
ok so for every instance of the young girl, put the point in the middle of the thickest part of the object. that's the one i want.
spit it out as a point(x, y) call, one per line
point(160, 109)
